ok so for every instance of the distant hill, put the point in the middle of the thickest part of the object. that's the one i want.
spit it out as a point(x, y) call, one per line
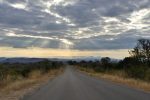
point(32, 60)
point(20, 60)
point(90, 58)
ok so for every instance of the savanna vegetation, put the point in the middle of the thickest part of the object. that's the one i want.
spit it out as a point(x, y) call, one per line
point(13, 72)
point(136, 67)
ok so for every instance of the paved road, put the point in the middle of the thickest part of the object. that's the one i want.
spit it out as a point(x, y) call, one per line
point(73, 85)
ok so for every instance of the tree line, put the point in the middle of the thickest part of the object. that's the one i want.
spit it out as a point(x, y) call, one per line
point(136, 66)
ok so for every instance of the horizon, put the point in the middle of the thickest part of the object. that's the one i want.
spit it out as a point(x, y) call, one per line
point(60, 53)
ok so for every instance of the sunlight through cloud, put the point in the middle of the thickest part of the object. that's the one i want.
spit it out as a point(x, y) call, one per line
point(74, 24)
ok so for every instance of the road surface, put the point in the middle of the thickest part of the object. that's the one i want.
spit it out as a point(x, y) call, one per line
point(73, 85)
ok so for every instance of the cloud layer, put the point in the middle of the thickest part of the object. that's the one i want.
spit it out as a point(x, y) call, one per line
point(74, 24)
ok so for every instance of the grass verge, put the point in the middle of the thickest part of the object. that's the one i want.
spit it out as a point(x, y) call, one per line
point(17, 89)
point(119, 77)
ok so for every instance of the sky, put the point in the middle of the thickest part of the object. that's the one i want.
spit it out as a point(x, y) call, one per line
point(68, 28)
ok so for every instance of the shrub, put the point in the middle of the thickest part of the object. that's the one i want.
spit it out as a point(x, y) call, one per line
point(138, 72)
point(16, 71)
point(147, 76)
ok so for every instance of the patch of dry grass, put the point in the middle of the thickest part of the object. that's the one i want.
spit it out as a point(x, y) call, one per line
point(16, 89)
point(119, 77)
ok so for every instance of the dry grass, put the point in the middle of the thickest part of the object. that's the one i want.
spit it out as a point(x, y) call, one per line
point(119, 77)
point(16, 89)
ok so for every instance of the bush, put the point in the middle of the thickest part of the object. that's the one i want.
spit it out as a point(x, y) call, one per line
point(21, 70)
point(147, 76)
point(2, 73)
point(138, 72)
point(99, 69)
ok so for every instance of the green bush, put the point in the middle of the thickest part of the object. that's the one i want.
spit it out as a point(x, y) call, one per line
point(2, 74)
point(13, 75)
point(147, 75)
point(138, 72)
point(99, 69)
point(20, 70)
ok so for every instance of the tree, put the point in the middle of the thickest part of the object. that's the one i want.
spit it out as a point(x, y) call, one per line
point(105, 62)
point(142, 50)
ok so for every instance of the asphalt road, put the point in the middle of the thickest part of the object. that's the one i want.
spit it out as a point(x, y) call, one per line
point(73, 85)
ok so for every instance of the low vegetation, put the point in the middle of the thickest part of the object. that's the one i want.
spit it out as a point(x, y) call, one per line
point(17, 75)
point(135, 68)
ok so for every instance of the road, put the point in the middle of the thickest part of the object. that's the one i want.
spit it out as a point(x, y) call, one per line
point(73, 85)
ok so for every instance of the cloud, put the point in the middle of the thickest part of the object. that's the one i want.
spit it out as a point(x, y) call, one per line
point(74, 24)
point(67, 42)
